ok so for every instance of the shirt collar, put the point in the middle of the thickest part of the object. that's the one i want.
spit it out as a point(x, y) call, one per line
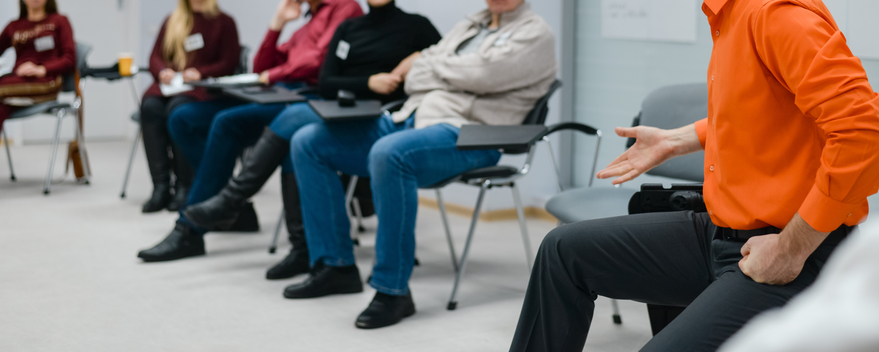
point(715, 5)
point(506, 18)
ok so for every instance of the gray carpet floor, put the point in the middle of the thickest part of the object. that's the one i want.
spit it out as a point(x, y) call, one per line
point(70, 281)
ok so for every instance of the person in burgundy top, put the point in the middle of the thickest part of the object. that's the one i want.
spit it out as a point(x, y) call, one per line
point(196, 41)
point(44, 49)
point(208, 132)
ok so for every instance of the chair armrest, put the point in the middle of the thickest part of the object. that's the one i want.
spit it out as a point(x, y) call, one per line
point(110, 73)
point(481, 137)
point(572, 126)
point(394, 105)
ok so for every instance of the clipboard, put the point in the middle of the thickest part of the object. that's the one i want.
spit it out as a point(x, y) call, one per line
point(331, 111)
point(266, 95)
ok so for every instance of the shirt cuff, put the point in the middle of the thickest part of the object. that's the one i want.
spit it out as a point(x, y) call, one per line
point(824, 213)
point(702, 131)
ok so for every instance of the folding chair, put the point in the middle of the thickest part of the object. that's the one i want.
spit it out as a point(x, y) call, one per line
point(59, 110)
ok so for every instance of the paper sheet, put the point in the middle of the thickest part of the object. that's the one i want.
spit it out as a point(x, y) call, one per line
point(176, 86)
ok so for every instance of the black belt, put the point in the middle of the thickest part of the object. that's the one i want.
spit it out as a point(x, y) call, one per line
point(728, 234)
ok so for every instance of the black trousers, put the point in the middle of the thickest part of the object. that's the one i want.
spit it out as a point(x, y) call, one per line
point(670, 259)
point(158, 145)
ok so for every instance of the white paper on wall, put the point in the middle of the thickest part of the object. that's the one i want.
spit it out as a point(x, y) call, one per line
point(657, 20)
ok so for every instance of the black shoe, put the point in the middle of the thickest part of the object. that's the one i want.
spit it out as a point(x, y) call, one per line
point(327, 280)
point(179, 199)
point(159, 200)
point(220, 211)
point(181, 243)
point(385, 310)
point(294, 264)
point(246, 221)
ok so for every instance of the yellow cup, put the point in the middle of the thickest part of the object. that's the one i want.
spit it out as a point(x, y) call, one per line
point(125, 62)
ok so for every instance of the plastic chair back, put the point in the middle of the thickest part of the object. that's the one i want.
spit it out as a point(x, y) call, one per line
point(537, 116)
point(243, 66)
point(82, 52)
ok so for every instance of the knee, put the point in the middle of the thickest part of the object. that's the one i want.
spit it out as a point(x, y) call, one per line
point(177, 122)
point(225, 123)
point(303, 141)
point(385, 155)
point(549, 247)
point(152, 110)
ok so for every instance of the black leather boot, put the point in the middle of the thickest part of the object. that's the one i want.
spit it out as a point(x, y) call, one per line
point(183, 181)
point(155, 144)
point(385, 310)
point(221, 211)
point(180, 243)
point(297, 261)
point(247, 220)
point(327, 280)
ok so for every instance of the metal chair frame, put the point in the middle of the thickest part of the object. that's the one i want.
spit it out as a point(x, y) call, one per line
point(60, 111)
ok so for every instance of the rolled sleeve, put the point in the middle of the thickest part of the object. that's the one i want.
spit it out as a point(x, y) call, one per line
point(702, 131)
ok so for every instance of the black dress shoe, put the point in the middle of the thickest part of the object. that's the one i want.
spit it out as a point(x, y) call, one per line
point(247, 221)
point(385, 310)
point(180, 243)
point(294, 264)
point(327, 280)
point(159, 199)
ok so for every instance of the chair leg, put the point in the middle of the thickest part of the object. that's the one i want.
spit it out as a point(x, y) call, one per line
point(520, 213)
point(349, 198)
point(9, 157)
point(445, 217)
point(274, 246)
point(131, 161)
point(358, 214)
point(463, 264)
point(48, 183)
point(83, 153)
point(617, 318)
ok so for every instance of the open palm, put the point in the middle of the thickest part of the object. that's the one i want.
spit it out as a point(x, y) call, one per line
point(651, 149)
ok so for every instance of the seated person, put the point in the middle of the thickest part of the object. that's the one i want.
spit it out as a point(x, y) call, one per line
point(193, 125)
point(375, 43)
point(791, 153)
point(363, 58)
point(44, 52)
point(490, 69)
point(215, 53)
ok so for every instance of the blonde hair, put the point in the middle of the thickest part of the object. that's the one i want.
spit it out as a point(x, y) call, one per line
point(178, 28)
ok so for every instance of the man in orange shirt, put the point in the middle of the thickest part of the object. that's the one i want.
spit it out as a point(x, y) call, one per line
point(791, 153)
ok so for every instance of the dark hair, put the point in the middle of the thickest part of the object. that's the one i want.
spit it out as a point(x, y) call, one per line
point(51, 8)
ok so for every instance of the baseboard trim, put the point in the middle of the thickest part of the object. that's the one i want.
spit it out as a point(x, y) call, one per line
point(494, 215)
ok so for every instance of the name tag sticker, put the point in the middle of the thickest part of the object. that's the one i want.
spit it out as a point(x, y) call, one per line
point(343, 49)
point(193, 42)
point(44, 43)
point(502, 39)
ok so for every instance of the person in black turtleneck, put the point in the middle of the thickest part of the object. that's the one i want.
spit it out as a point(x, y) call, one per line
point(368, 55)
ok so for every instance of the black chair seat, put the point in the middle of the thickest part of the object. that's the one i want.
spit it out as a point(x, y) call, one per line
point(489, 172)
point(38, 109)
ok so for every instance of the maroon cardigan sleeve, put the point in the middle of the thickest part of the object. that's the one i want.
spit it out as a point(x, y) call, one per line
point(231, 51)
point(268, 55)
point(66, 62)
point(157, 62)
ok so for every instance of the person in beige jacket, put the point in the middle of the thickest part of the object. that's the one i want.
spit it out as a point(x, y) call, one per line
point(490, 69)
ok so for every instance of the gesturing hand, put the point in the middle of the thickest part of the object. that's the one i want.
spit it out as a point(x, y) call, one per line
point(288, 10)
point(384, 83)
point(652, 148)
point(30, 69)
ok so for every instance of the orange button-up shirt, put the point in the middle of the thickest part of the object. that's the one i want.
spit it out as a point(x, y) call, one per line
point(793, 124)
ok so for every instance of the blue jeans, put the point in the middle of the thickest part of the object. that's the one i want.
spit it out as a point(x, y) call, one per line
point(399, 160)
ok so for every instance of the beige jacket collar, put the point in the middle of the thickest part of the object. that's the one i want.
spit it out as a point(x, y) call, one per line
point(484, 16)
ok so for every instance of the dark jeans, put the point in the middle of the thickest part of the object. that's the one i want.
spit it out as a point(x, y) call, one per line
point(670, 259)
point(398, 159)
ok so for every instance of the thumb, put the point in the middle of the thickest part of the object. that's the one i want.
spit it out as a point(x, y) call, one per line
point(746, 249)
point(627, 132)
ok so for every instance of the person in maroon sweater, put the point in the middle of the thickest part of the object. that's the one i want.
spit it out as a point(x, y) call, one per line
point(196, 41)
point(45, 51)
point(208, 132)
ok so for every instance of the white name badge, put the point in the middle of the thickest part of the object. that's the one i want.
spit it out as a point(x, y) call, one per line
point(343, 49)
point(503, 39)
point(193, 42)
point(44, 43)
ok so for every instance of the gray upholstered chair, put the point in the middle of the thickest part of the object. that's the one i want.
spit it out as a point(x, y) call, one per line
point(59, 110)
point(667, 108)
